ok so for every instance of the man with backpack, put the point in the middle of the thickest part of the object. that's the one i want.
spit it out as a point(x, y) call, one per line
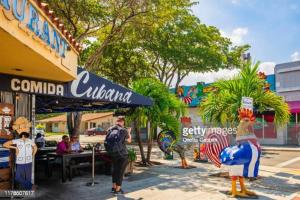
point(115, 145)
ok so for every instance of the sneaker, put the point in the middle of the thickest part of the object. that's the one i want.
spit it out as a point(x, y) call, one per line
point(112, 190)
point(119, 192)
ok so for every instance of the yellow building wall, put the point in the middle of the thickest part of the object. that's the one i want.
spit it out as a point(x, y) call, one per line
point(25, 54)
point(50, 127)
point(104, 122)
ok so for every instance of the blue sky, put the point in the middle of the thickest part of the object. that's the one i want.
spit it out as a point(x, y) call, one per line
point(271, 27)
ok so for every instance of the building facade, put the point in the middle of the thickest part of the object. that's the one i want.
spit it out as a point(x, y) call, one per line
point(34, 45)
point(288, 86)
point(58, 124)
point(284, 82)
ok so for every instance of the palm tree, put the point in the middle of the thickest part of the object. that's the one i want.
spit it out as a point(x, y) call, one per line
point(164, 112)
point(221, 105)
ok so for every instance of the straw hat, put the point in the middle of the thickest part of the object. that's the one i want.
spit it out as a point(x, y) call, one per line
point(21, 125)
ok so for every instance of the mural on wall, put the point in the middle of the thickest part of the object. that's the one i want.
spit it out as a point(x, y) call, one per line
point(193, 95)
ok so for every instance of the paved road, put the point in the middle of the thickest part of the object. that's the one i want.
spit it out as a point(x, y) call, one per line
point(284, 159)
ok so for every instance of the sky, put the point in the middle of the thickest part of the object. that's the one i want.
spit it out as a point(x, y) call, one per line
point(270, 27)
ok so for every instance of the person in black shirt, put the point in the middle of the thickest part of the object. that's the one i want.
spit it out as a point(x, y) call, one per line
point(120, 158)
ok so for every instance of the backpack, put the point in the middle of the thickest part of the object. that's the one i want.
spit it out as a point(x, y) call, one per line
point(112, 142)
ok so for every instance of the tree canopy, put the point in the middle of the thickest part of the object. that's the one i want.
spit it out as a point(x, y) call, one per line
point(222, 104)
point(139, 38)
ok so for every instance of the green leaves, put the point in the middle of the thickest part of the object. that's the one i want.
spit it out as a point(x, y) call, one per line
point(166, 109)
point(221, 106)
point(145, 38)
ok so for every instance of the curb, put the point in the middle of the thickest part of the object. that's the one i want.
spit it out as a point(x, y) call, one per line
point(296, 149)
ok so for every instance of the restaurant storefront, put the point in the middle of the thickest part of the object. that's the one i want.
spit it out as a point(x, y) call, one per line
point(35, 45)
point(39, 74)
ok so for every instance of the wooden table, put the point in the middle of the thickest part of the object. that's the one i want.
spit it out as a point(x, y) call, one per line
point(46, 150)
point(67, 156)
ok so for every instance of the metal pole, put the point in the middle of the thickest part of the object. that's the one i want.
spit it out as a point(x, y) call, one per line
point(93, 168)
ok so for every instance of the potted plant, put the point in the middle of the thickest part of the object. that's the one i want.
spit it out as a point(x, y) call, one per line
point(131, 160)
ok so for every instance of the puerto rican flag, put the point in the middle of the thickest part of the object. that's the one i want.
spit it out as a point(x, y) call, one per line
point(242, 158)
point(4, 158)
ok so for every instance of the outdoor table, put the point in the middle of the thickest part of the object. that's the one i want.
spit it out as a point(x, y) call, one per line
point(67, 156)
point(46, 150)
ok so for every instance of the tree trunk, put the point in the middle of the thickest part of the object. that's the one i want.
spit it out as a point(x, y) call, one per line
point(150, 141)
point(136, 124)
point(73, 122)
point(184, 164)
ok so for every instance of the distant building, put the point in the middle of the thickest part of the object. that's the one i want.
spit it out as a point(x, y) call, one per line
point(58, 124)
point(288, 86)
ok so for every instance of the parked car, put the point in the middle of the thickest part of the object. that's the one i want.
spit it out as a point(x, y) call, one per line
point(95, 131)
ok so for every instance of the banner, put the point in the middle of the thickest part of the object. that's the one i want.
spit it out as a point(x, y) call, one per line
point(87, 86)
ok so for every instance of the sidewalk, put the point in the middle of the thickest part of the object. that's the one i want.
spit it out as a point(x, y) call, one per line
point(168, 182)
point(280, 148)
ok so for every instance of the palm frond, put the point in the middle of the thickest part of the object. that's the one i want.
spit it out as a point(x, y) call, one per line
point(221, 106)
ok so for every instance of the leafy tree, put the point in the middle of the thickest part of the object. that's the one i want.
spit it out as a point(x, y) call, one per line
point(164, 113)
point(221, 105)
point(183, 45)
point(122, 62)
point(81, 18)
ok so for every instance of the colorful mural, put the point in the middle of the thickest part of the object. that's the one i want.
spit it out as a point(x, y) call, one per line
point(193, 95)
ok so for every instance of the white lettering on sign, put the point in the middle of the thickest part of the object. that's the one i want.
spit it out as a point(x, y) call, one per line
point(27, 14)
point(247, 102)
point(100, 93)
point(37, 87)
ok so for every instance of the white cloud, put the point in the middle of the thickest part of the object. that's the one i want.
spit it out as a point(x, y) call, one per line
point(267, 67)
point(237, 35)
point(208, 77)
point(295, 56)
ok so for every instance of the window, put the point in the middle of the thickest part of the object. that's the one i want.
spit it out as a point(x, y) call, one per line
point(93, 125)
point(55, 125)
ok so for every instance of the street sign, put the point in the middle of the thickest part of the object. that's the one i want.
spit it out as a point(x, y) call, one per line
point(247, 102)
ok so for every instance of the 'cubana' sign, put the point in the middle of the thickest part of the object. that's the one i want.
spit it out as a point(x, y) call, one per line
point(26, 13)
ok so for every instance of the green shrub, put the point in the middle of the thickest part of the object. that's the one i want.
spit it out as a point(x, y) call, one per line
point(131, 154)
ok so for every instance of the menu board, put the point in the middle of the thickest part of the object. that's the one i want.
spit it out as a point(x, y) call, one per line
point(6, 119)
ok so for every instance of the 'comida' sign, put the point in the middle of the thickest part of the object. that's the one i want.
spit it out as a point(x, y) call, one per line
point(29, 17)
point(32, 86)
